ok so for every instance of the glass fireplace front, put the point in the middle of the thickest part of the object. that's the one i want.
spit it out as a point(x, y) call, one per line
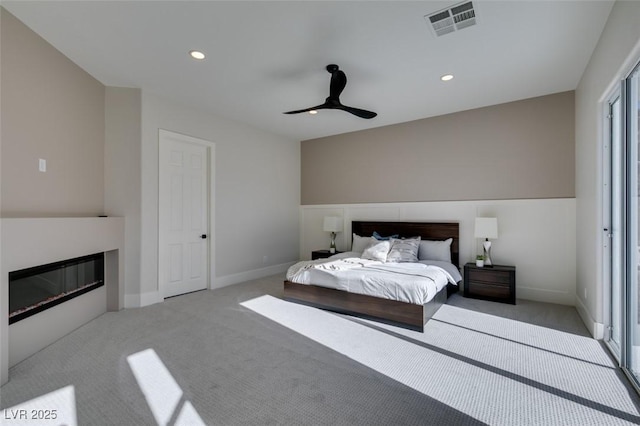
point(35, 289)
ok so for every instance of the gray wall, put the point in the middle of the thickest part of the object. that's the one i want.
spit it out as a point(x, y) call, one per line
point(517, 150)
point(54, 110)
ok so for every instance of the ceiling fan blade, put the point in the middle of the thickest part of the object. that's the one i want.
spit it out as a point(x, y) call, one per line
point(362, 113)
point(298, 111)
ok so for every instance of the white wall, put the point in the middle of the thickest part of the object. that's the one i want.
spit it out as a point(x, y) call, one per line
point(615, 53)
point(257, 194)
point(537, 236)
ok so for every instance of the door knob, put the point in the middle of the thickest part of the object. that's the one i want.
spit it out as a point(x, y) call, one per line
point(203, 236)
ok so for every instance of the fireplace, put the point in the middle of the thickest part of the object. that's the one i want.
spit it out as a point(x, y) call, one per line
point(35, 289)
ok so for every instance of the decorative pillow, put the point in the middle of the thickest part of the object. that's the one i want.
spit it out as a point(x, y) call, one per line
point(405, 250)
point(381, 238)
point(377, 250)
point(360, 243)
point(435, 250)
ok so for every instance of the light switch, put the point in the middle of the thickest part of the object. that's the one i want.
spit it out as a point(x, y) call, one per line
point(42, 165)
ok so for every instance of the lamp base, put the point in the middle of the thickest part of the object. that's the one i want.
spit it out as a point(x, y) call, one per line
point(487, 253)
point(332, 248)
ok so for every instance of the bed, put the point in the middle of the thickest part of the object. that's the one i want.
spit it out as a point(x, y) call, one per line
point(401, 313)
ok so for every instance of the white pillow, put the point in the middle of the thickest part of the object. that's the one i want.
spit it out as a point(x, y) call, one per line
point(360, 243)
point(376, 250)
point(405, 250)
point(435, 250)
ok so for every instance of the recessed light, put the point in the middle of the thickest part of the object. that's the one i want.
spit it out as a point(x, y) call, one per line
point(447, 77)
point(313, 111)
point(196, 54)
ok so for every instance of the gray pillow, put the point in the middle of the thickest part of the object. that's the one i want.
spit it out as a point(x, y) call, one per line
point(405, 250)
point(360, 243)
point(435, 250)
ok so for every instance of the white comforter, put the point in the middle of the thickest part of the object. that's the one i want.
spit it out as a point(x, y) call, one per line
point(415, 283)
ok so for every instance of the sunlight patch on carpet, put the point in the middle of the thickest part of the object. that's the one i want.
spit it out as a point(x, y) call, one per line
point(487, 374)
point(55, 408)
point(163, 394)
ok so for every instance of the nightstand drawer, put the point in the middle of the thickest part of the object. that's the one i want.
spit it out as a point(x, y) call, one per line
point(496, 283)
point(483, 289)
point(488, 275)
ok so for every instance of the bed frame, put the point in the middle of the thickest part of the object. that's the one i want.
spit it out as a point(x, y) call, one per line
point(384, 310)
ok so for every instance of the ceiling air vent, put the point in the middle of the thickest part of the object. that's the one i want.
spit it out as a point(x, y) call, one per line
point(452, 19)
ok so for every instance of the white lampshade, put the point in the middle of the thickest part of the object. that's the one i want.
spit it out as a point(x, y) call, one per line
point(486, 227)
point(332, 224)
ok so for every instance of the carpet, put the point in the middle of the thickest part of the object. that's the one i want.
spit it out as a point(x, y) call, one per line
point(242, 356)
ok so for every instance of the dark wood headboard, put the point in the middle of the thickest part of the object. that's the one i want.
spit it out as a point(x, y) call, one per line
point(426, 230)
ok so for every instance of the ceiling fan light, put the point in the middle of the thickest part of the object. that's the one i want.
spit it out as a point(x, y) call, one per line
point(196, 54)
point(313, 112)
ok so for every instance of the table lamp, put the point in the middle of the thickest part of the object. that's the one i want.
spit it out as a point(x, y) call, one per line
point(486, 227)
point(332, 224)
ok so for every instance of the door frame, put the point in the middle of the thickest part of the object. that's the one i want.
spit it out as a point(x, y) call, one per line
point(164, 135)
point(608, 231)
point(632, 242)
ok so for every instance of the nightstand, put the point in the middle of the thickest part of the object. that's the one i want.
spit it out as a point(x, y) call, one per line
point(322, 254)
point(496, 283)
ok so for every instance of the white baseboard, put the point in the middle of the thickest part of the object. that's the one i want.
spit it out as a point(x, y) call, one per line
point(152, 297)
point(141, 300)
point(545, 295)
point(131, 301)
point(595, 328)
point(251, 275)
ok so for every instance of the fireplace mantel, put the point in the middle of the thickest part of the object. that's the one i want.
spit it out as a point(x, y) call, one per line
point(28, 242)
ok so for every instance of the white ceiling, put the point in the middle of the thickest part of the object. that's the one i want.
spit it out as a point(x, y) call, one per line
point(266, 57)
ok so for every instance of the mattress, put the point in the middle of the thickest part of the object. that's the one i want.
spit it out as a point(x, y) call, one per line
point(415, 283)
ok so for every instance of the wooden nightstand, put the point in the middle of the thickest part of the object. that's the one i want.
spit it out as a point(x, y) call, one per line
point(322, 254)
point(496, 283)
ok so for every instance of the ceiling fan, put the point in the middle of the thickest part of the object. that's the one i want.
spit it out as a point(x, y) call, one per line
point(338, 81)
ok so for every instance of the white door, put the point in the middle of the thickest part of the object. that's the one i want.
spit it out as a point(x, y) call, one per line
point(183, 237)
